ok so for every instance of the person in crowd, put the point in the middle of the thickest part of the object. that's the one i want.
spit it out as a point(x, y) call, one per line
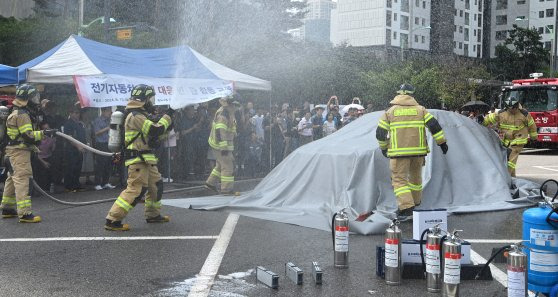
point(288, 131)
point(337, 118)
point(329, 125)
point(187, 129)
point(73, 153)
point(257, 123)
point(55, 121)
point(306, 107)
point(332, 103)
point(141, 136)
point(351, 116)
point(317, 122)
point(16, 201)
point(278, 140)
point(42, 166)
point(305, 129)
point(250, 109)
point(200, 139)
point(254, 155)
point(103, 165)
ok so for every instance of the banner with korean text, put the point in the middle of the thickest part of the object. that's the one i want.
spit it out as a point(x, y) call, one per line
point(114, 90)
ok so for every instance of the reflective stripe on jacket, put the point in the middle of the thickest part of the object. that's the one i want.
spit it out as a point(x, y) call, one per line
point(402, 128)
point(222, 133)
point(20, 128)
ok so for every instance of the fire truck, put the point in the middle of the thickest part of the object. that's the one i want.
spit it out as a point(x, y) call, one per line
point(540, 97)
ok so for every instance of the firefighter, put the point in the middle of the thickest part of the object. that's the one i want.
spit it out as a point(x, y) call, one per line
point(141, 137)
point(22, 140)
point(516, 125)
point(402, 138)
point(221, 140)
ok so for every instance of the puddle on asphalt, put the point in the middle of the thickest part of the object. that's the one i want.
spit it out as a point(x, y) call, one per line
point(230, 285)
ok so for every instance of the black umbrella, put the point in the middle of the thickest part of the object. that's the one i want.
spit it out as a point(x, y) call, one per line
point(475, 105)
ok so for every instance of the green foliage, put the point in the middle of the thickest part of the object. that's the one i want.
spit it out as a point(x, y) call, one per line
point(521, 54)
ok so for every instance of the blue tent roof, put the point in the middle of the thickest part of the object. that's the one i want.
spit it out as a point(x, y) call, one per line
point(81, 56)
point(8, 75)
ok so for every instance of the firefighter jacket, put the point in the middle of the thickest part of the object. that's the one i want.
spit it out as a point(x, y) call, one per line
point(138, 130)
point(223, 131)
point(515, 124)
point(401, 129)
point(20, 128)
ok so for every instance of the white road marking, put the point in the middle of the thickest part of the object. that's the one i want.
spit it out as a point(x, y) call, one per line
point(547, 168)
point(497, 274)
point(105, 238)
point(494, 240)
point(205, 278)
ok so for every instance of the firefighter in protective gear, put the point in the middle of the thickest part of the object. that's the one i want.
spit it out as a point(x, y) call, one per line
point(402, 138)
point(221, 140)
point(141, 136)
point(22, 140)
point(516, 126)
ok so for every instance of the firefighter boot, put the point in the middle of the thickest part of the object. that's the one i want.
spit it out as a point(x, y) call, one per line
point(9, 213)
point(30, 218)
point(158, 219)
point(405, 215)
point(116, 226)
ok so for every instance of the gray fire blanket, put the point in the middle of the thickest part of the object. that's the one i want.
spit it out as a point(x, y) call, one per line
point(348, 170)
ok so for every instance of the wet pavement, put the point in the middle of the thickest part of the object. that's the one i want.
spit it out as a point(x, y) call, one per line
point(93, 265)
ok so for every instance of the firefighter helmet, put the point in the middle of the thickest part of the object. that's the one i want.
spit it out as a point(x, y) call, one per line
point(511, 102)
point(406, 89)
point(27, 92)
point(142, 92)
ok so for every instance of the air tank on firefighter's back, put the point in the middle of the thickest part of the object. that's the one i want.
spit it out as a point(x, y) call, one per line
point(116, 124)
point(540, 236)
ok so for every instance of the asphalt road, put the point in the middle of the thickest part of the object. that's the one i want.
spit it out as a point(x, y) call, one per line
point(69, 254)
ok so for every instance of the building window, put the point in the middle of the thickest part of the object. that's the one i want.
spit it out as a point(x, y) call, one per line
point(460, 45)
point(479, 21)
point(520, 2)
point(479, 36)
point(416, 39)
point(501, 35)
point(405, 5)
point(474, 32)
point(547, 45)
point(423, 39)
point(475, 17)
point(460, 29)
point(549, 13)
point(474, 48)
point(404, 25)
point(394, 35)
point(467, 18)
point(466, 33)
point(388, 3)
point(404, 40)
point(501, 19)
point(455, 44)
point(454, 28)
point(388, 36)
point(467, 4)
point(416, 21)
point(501, 4)
point(548, 29)
point(424, 4)
point(541, 14)
point(388, 18)
point(423, 22)
point(417, 3)
point(395, 17)
point(455, 12)
point(461, 13)
point(540, 30)
point(466, 50)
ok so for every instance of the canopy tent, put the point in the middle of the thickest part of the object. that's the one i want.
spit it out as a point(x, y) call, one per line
point(348, 170)
point(8, 75)
point(78, 56)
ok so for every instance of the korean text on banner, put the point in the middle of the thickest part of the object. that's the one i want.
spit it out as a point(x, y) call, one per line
point(114, 90)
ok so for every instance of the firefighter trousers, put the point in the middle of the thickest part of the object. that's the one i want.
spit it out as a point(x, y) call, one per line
point(223, 171)
point(142, 178)
point(16, 188)
point(406, 178)
point(512, 158)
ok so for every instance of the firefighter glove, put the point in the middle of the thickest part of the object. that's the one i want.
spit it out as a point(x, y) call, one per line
point(384, 152)
point(224, 153)
point(50, 132)
point(444, 147)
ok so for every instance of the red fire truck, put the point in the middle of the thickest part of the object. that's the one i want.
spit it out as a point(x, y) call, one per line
point(540, 97)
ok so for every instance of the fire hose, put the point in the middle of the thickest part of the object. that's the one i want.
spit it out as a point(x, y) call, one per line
point(98, 152)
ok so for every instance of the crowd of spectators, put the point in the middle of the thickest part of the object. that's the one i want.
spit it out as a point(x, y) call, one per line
point(265, 136)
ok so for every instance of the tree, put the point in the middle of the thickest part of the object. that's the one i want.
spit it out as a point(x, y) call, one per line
point(521, 54)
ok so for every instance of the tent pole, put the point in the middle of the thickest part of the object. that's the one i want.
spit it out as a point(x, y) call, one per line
point(270, 134)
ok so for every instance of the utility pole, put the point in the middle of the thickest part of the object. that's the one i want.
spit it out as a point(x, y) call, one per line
point(554, 42)
point(80, 16)
point(107, 20)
